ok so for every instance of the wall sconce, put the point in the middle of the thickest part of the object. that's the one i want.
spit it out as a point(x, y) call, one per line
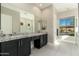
point(29, 25)
point(21, 24)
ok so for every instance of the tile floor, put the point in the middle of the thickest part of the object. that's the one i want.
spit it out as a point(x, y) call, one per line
point(63, 49)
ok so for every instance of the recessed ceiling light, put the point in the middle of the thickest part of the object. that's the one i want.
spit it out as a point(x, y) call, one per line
point(40, 4)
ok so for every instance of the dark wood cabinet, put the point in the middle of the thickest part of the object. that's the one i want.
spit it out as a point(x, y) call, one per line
point(45, 39)
point(19, 47)
point(24, 47)
point(42, 41)
point(8, 48)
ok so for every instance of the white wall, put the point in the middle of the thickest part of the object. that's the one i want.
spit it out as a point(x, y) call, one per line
point(54, 24)
point(38, 13)
point(49, 14)
point(73, 12)
point(78, 17)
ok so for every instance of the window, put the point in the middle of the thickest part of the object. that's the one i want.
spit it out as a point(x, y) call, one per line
point(67, 25)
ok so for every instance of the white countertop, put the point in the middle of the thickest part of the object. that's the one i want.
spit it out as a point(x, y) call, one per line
point(15, 37)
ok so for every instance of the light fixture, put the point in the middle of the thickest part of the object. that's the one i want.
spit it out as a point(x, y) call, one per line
point(40, 4)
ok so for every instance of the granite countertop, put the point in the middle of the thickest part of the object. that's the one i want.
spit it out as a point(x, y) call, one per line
point(15, 37)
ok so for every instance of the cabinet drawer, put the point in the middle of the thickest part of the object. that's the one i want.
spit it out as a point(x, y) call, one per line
point(36, 38)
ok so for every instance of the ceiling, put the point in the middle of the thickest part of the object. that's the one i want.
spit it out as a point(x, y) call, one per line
point(43, 5)
point(31, 5)
point(60, 7)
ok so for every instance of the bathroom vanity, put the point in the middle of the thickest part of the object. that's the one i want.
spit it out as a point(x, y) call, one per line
point(20, 45)
point(19, 23)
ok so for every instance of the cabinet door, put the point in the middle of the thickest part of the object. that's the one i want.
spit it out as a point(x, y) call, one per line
point(37, 43)
point(9, 48)
point(41, 42)
point(25, 47)
point(45, 39)
point(0, 49)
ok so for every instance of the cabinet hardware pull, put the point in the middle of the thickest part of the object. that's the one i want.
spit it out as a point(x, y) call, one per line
point(19, 43)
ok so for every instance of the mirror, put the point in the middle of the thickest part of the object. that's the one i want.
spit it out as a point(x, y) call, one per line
point(13, 21)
